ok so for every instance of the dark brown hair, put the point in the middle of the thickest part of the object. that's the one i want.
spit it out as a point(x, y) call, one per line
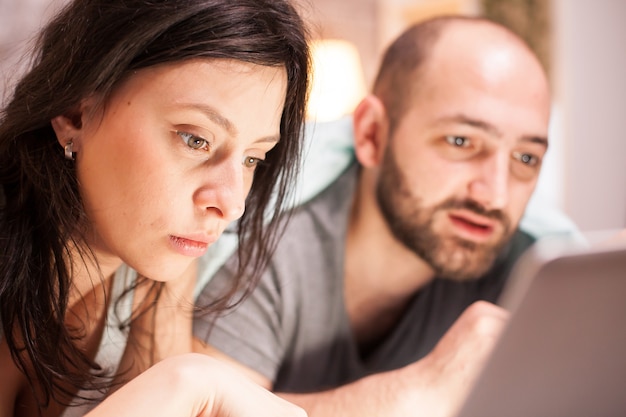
point(85, 51)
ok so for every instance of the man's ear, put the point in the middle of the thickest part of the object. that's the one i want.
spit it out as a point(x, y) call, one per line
point(371, 128)
point(70, 126)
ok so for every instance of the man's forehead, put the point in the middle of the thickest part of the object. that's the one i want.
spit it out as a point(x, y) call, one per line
point(452, 89)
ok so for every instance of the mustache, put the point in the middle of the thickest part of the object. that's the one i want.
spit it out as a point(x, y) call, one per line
point(476, 208)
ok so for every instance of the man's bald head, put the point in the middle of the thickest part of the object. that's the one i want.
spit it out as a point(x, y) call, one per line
point(471, 44)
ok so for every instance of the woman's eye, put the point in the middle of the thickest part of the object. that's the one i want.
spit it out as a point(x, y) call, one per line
point(193, 141)
point(458, 141)
point(251, 162)
point(526, 158)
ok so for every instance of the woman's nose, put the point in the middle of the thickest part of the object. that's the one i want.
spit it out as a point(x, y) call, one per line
point(225, 190)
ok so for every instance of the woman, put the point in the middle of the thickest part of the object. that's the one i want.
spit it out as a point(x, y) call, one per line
point(135, 138)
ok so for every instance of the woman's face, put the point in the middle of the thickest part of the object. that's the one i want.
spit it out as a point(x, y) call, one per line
point(170, 160)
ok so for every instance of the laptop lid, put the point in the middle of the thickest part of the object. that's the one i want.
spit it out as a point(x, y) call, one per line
point(563, 352)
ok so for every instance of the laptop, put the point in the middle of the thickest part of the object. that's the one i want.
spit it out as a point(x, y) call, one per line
point(563, 352)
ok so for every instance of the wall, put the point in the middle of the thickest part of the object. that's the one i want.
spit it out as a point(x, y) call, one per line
point(352, 20)
point(590, 82)
point(19, 19)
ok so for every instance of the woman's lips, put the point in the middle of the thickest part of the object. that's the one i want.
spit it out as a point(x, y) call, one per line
point(189, 247)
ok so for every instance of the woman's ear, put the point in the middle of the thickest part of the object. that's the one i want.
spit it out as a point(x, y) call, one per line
point(71, 125)
point(371, 129)
point(65, 128)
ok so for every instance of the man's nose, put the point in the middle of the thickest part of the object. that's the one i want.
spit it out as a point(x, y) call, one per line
point(490, 184)
point(224, 190)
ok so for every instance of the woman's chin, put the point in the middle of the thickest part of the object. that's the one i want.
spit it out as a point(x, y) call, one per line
point(165, 271)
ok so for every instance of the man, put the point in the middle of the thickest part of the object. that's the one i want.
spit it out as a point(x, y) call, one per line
point(371, 305)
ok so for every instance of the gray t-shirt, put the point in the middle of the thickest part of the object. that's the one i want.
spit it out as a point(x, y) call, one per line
point(294, 328)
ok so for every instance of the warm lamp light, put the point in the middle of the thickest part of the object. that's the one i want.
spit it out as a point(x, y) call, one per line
point(337, 82)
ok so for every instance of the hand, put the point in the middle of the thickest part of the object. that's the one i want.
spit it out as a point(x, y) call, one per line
point(434, 386)
point(194, 385)
point(443, 378)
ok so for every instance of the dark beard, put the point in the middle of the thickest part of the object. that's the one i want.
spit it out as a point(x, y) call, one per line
point(412, 224)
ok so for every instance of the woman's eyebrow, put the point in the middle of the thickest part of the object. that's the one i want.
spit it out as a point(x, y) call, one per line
point(213, 115)
point(222, 121)
point(269, 139)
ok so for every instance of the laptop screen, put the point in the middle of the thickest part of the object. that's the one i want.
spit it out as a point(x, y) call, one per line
point(563, 352)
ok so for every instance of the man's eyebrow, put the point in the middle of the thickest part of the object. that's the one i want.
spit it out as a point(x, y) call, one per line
point(465, 120)
point(536, 139)
point(489, 128)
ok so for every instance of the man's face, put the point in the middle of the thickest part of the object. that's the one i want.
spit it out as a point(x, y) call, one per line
point(463, 162)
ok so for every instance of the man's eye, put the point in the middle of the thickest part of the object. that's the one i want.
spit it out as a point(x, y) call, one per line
point(526, 158)
point(458, 141)
point(251, 162)
point(193, 141)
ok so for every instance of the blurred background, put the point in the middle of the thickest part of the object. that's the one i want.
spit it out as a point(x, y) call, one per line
point(581, 43)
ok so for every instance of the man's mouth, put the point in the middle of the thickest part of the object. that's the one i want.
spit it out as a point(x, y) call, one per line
point(473, 227)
